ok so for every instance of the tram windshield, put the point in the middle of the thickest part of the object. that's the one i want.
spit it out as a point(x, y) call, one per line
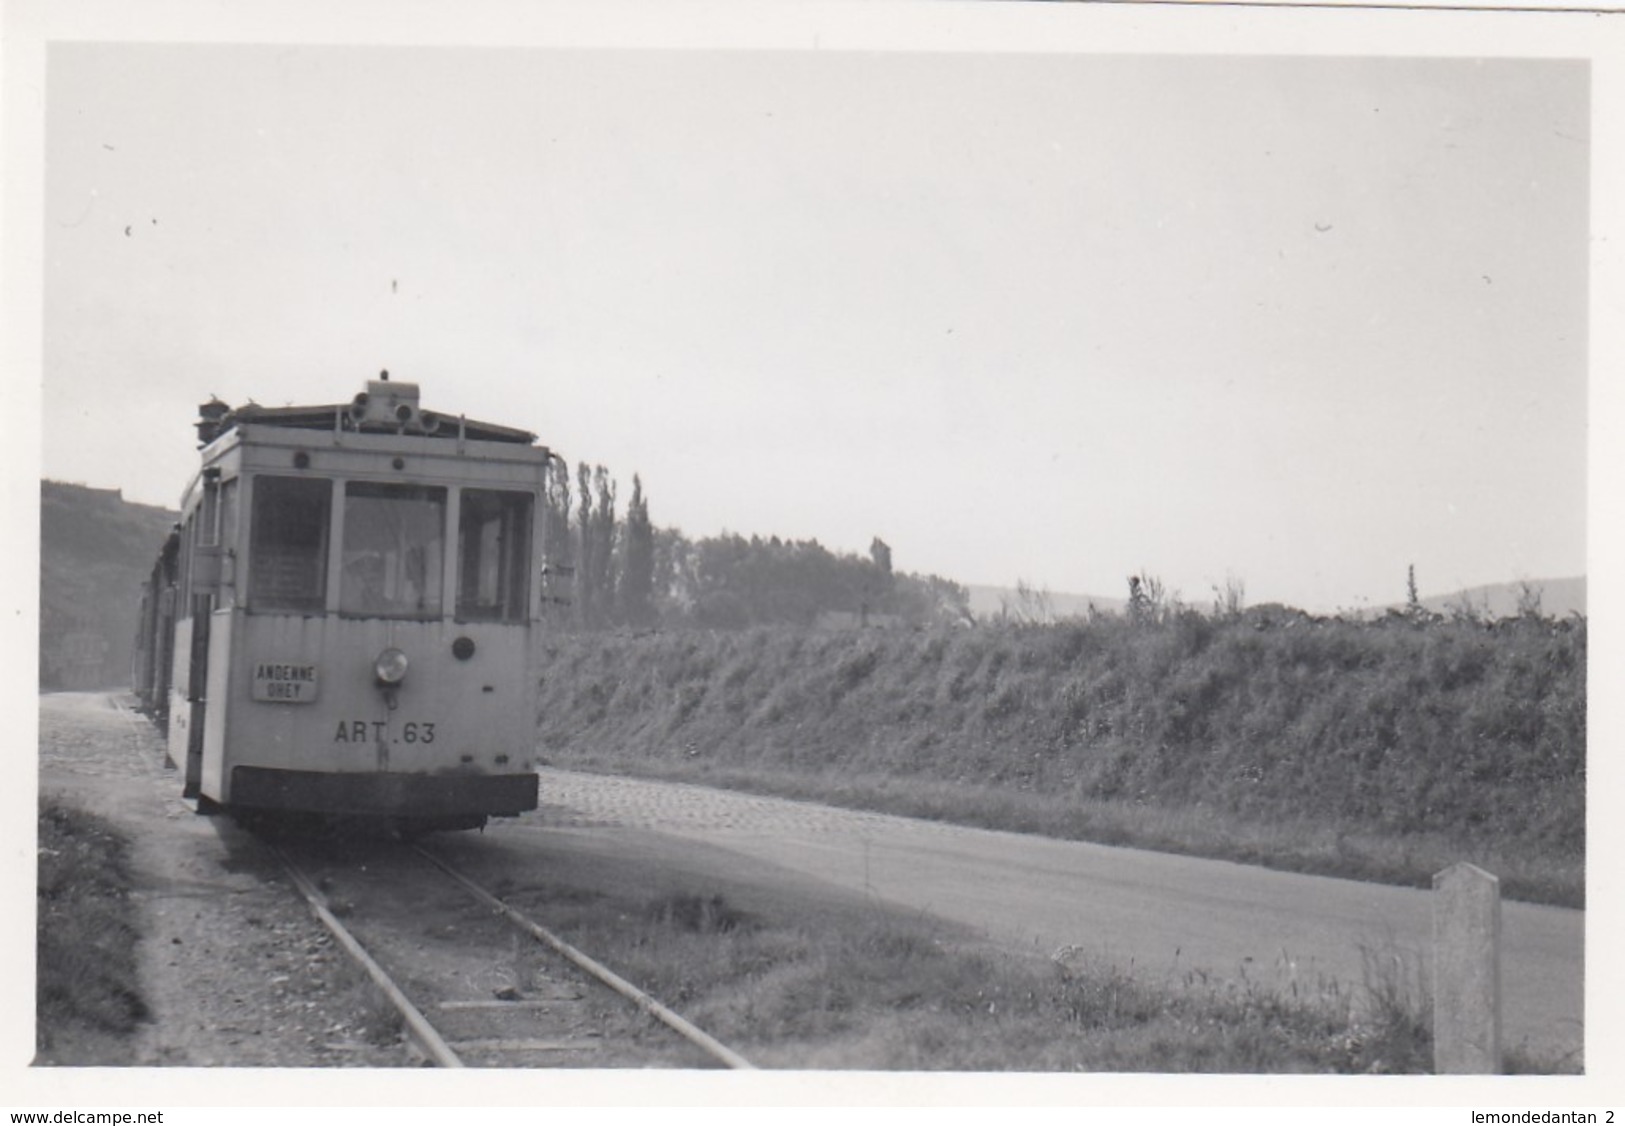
point(394, 550)
point(493, 555)
point(288, 544)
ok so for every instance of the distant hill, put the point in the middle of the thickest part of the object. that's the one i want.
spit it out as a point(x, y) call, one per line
point(1558, 598)
point(96, 550)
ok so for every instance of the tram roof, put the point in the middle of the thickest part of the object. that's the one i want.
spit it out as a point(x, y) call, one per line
point(215, 418)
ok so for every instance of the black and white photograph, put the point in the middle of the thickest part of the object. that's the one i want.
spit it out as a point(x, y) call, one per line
point(939, 554)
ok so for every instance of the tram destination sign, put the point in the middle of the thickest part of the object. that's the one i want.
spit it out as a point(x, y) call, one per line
point(282, 682)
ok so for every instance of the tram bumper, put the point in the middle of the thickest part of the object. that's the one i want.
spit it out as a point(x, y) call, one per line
point(379, 794)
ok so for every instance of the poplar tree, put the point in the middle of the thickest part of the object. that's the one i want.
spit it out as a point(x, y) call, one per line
point(586, 568)
point(603, 547)
point(880, 552)
point(637, 560)
point(558, 573)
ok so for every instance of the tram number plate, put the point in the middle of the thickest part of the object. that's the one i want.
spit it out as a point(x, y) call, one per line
point(377, 731)
point(282, 683)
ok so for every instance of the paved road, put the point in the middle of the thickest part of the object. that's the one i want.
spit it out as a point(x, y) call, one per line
point(1148, 911)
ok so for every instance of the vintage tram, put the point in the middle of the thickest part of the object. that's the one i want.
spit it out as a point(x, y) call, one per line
point(343, 621)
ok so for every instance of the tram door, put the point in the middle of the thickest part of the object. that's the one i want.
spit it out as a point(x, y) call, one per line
point(165, 660)
point(197, 693)
point(204, 582)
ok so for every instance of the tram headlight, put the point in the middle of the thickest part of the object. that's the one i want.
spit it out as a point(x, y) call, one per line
point(390, 666)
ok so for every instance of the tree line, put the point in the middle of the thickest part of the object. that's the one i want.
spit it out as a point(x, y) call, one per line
point(605, 568)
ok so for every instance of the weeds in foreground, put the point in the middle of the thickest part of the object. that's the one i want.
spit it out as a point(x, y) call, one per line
point(698, 914)
point(1395, 1022)
point(86, 929)
point(376, 1018)
point(864, 991)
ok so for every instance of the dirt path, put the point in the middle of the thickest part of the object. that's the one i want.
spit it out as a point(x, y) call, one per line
point(237, 973)
point(234, 969)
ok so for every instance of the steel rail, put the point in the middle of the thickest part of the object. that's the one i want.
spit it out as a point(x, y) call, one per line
point(694, 1035)
point(430, 1041)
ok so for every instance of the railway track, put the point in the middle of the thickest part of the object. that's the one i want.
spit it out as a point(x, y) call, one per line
point(434, 950)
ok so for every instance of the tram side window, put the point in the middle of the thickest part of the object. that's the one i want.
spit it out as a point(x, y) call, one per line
point(394, 550)
point(287, 566)
point(228, 539)
point(183, 609)
point(493, 556)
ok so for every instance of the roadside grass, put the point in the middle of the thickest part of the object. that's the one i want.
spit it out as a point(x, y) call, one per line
point(834, 990)
point(87, 985)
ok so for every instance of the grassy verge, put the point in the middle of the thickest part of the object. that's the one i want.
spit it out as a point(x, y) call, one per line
point(88, 990)
point(843, 991)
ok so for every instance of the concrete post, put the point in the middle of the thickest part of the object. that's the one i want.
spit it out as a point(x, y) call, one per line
point(1466, 972)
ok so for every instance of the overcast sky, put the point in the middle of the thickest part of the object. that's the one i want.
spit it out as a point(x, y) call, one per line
point(1300, 322)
